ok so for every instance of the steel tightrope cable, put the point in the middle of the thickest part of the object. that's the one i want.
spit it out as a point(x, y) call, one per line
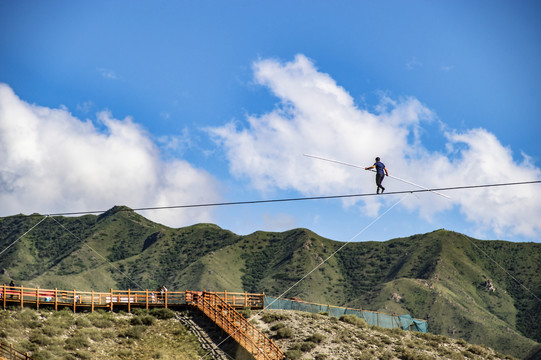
point(325, 197)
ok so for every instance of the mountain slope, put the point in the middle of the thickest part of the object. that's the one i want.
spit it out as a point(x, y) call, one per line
point(462, 286)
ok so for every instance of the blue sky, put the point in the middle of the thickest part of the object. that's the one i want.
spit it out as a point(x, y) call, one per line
point(170, 103)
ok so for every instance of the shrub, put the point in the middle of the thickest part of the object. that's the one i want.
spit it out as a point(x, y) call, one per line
point(140, 311)
point(162, 313)
point(316, 338)
point(100, 319)
point(320, 357)
point(77, 342)
point(83, 322)
point(94, 334)
point(272, 317)
point(477, 350)
point(101, 323)
point(461, 342)
point(51, 331)
point(134, 332)
point(294, 354)
point(307, 346)
point(277, 326)
point(62, 319)
point(284, 333)
point(148, 320)
point(83, 354)
point(28, 319)
point(42, 355)
point(39, 339)
point(354, 320)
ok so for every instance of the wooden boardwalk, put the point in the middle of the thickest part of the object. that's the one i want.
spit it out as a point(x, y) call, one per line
point(114, 299)
point(219, 307)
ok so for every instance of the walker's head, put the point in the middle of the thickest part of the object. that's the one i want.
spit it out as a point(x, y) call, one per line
point(377, 159)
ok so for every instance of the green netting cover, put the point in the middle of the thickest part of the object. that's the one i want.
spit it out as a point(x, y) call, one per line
point(405, 322)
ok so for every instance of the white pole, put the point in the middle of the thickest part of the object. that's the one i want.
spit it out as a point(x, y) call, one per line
point(362, 167)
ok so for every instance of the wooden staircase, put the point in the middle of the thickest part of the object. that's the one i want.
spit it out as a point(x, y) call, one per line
point(7, 352)
point(233, 323)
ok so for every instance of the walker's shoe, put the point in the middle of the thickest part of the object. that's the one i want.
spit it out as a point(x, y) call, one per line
point(377, 191)
point(382, 189)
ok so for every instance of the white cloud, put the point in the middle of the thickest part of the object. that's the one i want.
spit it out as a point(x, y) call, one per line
point(175, 145)
point(317, 116)
point(447, 68)
point(413, 63)
point(53, 162)
point(85, 107)
point(107, 73)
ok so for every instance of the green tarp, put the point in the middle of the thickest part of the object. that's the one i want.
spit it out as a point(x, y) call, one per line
point(405, 322)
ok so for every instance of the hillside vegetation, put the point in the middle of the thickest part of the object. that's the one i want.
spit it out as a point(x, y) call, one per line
point(462, 286)
point(156, 334)
point(145, 334)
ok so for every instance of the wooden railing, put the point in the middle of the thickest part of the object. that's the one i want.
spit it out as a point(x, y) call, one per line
point(21, 296)
point(232, 322)
point(7, 352)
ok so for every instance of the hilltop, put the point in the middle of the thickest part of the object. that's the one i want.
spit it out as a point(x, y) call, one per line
point(459, 284)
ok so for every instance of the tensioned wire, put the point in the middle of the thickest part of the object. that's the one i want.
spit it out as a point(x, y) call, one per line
point(434, 190)
point(20, 237)
point(319, 265)
point(507, 272)
point(280, 200)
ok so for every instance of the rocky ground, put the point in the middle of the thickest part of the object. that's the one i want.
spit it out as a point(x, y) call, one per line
point(320, 337)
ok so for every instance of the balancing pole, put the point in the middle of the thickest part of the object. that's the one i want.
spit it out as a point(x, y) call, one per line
point(362, 167)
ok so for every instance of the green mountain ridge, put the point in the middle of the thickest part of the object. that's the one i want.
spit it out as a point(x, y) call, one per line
point(465, 288)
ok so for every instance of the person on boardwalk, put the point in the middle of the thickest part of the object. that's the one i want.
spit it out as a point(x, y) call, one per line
point(12, 288)
point(381, 171)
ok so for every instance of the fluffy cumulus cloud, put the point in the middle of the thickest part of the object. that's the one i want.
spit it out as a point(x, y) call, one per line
point(53, 162)
point(317, 116)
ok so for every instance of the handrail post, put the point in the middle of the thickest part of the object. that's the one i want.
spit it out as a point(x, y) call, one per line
point(245, 298)
point(165, 294)
point(22, 297)
point(146, 306)
point(111, 299)
point(55, 299)
point(92, 299)
point(74, 300)
point(37, 298)
point(4, 296)
point(129, 300)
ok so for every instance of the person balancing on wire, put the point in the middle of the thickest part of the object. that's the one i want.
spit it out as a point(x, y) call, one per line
point(381, 171)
